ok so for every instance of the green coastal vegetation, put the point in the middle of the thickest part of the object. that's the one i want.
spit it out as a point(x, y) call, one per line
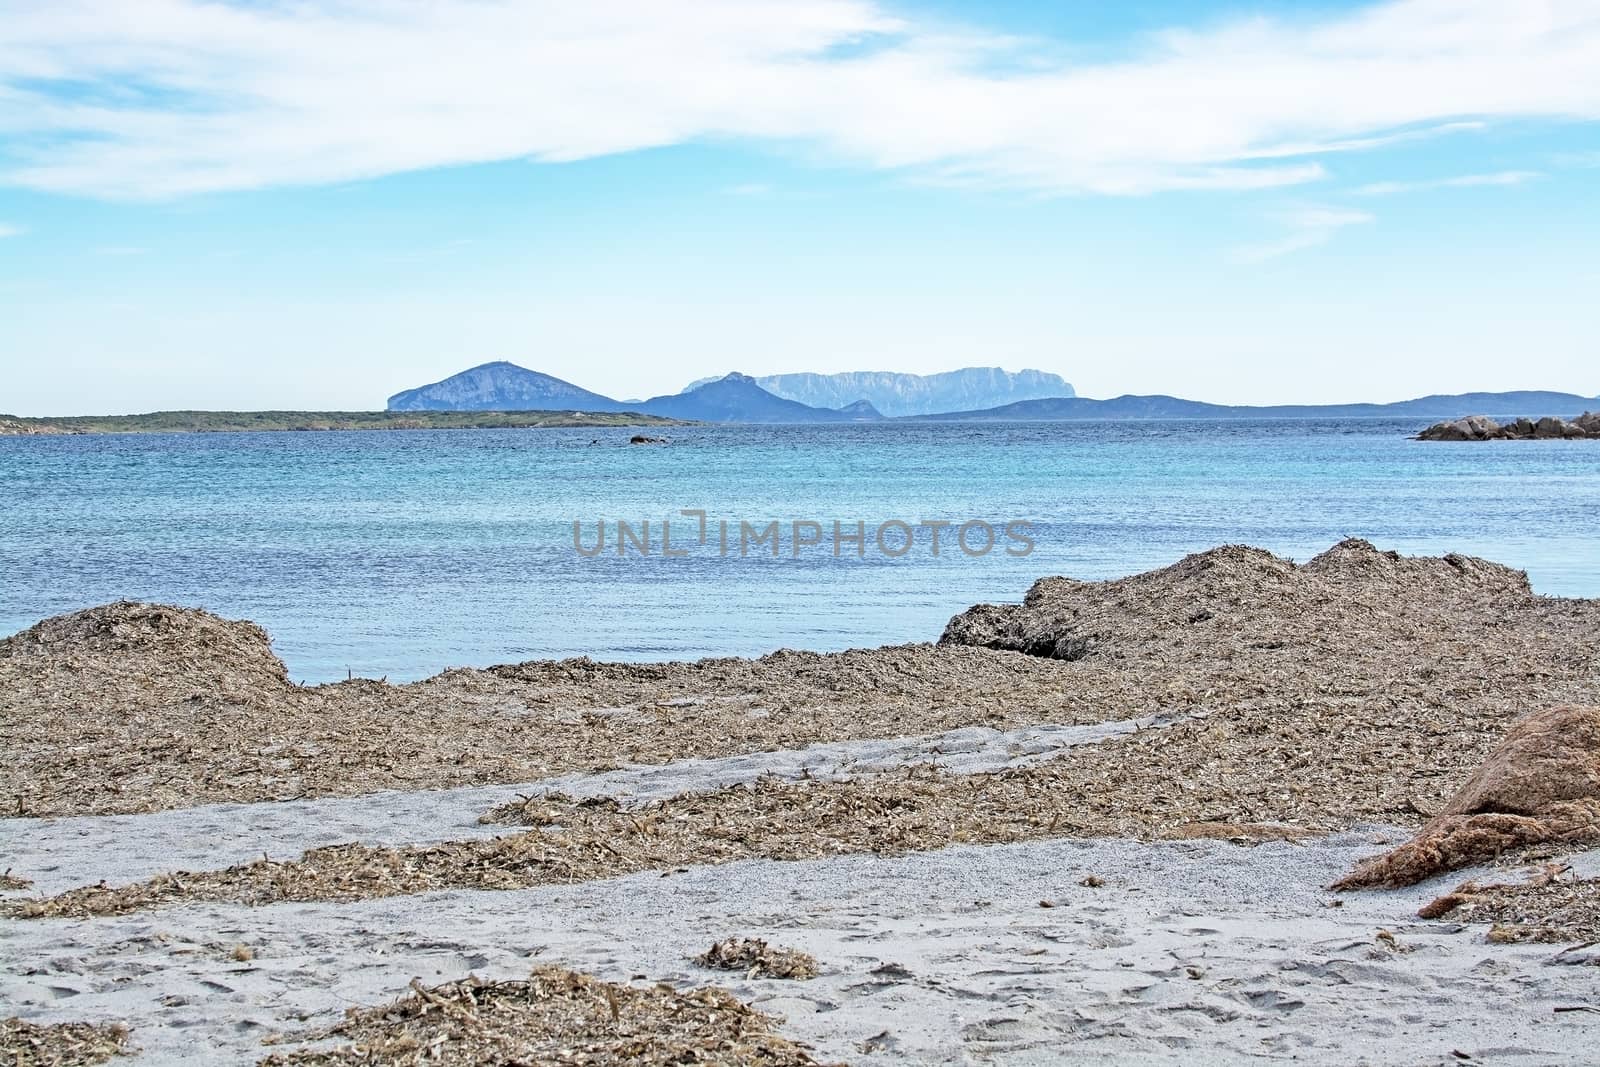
point(235, 421)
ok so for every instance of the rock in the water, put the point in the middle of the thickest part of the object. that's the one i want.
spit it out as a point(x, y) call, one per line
point(1542, 783)
point(1483, 428)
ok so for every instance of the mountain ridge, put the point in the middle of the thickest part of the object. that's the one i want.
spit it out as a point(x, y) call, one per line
point(740, 398)
point(898, 393)
point(1160, 406)
point(737, 398)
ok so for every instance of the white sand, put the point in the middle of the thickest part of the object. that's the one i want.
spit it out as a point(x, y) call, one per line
point(61, 853)
point(1193, 952)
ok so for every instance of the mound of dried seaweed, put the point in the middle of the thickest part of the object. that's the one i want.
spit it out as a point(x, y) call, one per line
point(757, 959)
point(25, 1044)
point(1349, 594)
point(554, 1017)
point(92, 726)
point(148, 650)
point(1541, 784)
point(1359, 685)
point(1552, 907)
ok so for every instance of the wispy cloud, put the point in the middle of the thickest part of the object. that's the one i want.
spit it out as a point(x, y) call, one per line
point(1306, 227)
point(1503, 177)
point(8, 230)
point(749, 189)
point(168, 97)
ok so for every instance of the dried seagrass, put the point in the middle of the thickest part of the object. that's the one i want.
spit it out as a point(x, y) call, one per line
point(555, 1017)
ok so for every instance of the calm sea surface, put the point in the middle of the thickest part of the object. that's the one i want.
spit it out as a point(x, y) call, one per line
point(401, 553)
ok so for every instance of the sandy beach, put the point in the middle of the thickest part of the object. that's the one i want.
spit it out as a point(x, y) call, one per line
point(1101, 823)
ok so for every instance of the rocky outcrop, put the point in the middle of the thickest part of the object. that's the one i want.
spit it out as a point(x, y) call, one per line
point(1542, 784)
point(1483, 428)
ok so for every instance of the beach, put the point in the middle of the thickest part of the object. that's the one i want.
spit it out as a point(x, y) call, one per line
point(1101, 822)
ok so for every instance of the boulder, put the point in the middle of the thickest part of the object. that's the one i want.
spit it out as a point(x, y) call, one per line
point(1445, 431)
point(1540, 784)
point(1472, 428)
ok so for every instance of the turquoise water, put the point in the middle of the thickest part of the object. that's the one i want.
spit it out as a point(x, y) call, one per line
point(402, 553)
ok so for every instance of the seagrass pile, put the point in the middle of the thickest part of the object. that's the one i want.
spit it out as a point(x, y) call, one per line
point(25, 1044)
point(554, 1017)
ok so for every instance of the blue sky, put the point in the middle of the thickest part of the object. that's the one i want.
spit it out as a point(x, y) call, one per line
point(256, 205)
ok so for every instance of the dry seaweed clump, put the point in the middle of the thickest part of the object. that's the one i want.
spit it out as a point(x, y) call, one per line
point(149, 650)
point(13, 883)
point(1540, 785)
point(1550, 908)
point(25, 1044)
point(556, 1016)
point(757, 959)
point(1237, 599)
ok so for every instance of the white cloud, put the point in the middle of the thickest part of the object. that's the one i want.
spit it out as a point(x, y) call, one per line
point(1307, 227)
point(171, 97)
point(8, 230)
point(1503, 177)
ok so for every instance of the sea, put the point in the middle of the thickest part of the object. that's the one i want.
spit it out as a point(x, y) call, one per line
point(399, 553)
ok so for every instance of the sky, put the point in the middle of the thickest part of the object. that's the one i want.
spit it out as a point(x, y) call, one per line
point(314, 204)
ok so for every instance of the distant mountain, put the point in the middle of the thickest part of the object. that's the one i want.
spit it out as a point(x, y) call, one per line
point(505, 386)
point(502, 386)
point(1497, 405)
point(892, 393)
point(737, 398)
